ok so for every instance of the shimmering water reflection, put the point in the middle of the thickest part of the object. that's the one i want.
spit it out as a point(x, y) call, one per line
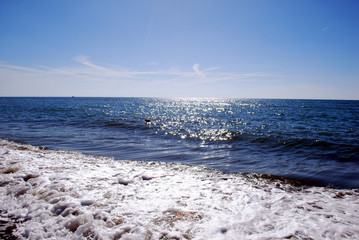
point(312, 140)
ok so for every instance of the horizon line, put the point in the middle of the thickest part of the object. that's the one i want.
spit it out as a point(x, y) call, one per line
point(179, 97)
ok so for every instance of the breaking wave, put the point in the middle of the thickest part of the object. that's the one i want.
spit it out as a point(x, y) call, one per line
point(68, 195)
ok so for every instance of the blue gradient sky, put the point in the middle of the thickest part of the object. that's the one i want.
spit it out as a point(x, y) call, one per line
point(179, 48)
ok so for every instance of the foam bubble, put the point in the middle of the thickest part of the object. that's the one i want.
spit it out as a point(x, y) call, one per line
point(64, 195)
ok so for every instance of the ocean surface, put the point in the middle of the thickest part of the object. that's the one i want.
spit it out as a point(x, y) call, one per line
point(315, 142)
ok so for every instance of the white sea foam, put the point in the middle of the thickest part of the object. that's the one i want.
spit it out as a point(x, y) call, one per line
point(68, 195)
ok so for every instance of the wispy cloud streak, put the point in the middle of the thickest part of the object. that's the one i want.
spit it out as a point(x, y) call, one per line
point(88, 71)
point(199, 73)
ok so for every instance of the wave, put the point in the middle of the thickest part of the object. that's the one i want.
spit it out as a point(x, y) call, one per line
point(326, 148)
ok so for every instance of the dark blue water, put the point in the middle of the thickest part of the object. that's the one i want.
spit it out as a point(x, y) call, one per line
point(314, 141)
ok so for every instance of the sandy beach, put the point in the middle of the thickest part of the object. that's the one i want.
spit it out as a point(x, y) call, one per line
point(68, 195)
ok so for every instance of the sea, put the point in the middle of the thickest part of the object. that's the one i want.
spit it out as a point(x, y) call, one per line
point(311, 142)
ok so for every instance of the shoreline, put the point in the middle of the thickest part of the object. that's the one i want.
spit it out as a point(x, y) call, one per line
point(63, 194)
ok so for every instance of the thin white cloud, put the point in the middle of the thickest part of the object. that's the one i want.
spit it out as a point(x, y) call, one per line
point(18, 68)
point(88, 71)
point(195, 68)
point(325, 29)
point(85, 60)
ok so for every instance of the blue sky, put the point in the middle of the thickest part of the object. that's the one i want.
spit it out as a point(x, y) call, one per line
point(180, 48)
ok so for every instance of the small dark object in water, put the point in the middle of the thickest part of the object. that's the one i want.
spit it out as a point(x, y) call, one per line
point(224, 230)
point(146, 178)
point(147, 120)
